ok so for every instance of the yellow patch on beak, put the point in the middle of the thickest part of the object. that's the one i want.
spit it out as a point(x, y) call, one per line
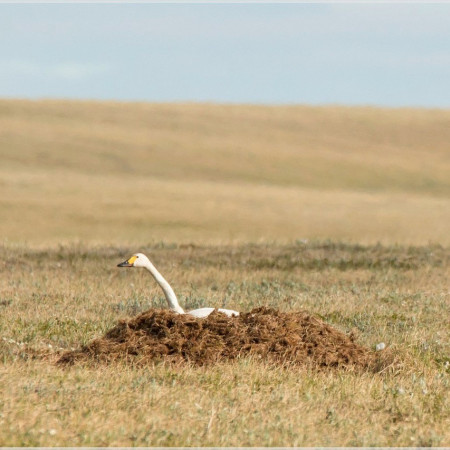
point(132, 260)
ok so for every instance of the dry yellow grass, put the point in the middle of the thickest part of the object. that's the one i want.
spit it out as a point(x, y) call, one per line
point(84, 184)
point(69, 296)
point(107, 172)
point(59, 207)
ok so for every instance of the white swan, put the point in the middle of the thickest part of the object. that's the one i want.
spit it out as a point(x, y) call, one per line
point(140, 260)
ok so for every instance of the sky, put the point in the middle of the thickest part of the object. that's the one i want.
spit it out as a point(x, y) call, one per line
point(338, 53)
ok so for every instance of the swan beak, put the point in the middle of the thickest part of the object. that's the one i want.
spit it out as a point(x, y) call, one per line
point(128, 263)
point(125, 264)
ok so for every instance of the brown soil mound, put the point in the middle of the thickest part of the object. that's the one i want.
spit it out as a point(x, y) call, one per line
point(295, 338)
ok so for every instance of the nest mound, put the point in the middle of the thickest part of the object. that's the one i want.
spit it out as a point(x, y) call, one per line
point(294, 338)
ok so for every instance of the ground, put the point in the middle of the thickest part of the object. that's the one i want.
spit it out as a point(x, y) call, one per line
point(67, 297)
point(340, 212)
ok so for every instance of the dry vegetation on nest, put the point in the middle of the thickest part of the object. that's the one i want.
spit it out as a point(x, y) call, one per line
point(291, 339)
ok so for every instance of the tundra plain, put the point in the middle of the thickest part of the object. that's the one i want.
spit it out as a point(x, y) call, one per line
point(343, 212)
point(137, 173)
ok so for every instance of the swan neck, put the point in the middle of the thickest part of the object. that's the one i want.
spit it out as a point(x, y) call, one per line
point(166, 288)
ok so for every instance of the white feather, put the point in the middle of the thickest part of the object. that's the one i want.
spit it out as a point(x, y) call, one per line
point(140, 260)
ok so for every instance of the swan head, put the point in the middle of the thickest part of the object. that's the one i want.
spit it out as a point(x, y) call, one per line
point(137, 260)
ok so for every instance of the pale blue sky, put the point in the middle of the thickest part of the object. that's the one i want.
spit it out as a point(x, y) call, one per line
point(379, 54)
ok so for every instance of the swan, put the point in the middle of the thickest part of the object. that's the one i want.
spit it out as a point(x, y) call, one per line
point(140, 260)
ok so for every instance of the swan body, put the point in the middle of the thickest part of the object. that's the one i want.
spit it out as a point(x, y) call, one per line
point(204, 312)
point(140, 260)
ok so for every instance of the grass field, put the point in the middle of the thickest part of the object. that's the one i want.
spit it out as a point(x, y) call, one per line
point(115, 173)
point(343, 212)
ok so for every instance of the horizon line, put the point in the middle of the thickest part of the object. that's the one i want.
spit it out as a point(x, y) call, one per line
point(222, 103)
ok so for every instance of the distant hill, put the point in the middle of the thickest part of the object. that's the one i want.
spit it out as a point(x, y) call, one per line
point(222, 171)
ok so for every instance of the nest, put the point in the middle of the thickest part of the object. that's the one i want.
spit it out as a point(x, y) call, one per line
point(291, 338)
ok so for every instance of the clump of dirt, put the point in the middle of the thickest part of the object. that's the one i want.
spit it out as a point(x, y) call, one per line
point(293, 338)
